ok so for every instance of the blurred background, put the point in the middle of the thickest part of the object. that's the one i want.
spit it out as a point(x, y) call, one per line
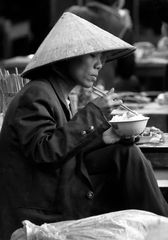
point(24, 24)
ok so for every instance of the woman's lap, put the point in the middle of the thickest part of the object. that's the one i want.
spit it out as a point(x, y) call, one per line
point(123, 178)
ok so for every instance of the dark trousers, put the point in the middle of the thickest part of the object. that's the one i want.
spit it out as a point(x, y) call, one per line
point(123, 178)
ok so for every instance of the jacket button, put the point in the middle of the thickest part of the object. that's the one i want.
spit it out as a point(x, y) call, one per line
point(83, 133)
point(90, 195)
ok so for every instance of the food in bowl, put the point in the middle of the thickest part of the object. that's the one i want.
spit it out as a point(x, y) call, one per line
point(128, 124)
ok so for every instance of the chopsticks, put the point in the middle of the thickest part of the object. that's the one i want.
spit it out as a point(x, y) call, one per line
point(102, 93)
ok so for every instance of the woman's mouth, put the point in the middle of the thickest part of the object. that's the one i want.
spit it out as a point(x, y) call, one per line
point(93, 78)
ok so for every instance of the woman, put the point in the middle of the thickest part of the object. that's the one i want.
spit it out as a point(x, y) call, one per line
point(55, 166)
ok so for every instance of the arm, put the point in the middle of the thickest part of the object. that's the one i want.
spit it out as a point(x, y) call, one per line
point(43, 132)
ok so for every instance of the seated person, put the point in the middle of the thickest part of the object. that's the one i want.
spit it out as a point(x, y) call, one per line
point(57, 166)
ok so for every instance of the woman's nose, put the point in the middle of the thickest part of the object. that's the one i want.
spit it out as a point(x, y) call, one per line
point(99, 63)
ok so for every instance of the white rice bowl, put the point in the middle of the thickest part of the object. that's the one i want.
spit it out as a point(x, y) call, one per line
point(129, 125)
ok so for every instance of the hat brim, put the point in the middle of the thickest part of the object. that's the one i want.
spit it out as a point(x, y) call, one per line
point(73, 36)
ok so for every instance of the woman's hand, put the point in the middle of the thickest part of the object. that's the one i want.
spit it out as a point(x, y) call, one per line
point(108, 103)
point(110, 137)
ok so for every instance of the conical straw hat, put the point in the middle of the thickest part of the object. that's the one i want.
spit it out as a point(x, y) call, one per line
point(74, 36)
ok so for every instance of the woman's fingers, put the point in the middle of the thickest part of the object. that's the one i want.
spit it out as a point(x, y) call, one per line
point(110, 137)
point(108, 103)
point(111, 91)
point(117, 102)
point(112, 94)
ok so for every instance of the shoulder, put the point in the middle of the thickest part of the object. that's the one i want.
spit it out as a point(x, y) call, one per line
point(37, 89)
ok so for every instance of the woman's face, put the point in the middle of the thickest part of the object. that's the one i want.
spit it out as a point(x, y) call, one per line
point(84, 69)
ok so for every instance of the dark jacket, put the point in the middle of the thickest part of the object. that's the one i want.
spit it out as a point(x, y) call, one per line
point(42, 175)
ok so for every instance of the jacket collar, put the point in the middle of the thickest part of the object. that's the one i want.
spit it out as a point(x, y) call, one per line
point(55, 80)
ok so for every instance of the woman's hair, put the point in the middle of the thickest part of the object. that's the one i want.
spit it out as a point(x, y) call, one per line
point(46, 70)
point(41, 71)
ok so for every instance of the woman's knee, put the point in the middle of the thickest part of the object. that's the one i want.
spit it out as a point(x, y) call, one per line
point(136, 156)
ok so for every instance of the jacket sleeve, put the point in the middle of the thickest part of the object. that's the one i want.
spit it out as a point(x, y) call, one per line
point(44, 134)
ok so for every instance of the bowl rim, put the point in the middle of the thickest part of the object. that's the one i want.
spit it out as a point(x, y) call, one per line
point(128, 121)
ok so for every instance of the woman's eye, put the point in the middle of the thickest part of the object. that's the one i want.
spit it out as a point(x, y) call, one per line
point(96, 55)
point(99, 56)
point(93, 55)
